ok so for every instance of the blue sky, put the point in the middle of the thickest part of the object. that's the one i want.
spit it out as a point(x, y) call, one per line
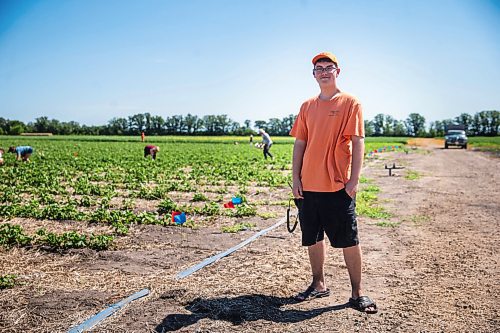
point(92, 60)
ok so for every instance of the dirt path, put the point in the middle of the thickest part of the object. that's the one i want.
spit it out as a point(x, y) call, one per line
point(435, 270)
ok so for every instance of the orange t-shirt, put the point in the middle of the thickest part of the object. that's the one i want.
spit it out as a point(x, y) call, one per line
point(327, 127)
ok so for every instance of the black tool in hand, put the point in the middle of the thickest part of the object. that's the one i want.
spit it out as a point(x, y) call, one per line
point(298, 204)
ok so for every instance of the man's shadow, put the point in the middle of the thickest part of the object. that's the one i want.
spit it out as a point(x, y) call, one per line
point(240, 309)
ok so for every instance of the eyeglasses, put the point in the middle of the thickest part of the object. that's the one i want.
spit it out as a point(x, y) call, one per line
point(328, 69)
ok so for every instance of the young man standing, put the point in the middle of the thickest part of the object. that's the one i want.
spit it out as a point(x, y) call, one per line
point(327, 159)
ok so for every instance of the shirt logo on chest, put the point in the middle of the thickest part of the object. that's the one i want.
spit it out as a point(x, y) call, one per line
point(333, 113)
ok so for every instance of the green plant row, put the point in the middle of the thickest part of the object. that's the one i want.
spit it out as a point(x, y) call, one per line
point(14, 235)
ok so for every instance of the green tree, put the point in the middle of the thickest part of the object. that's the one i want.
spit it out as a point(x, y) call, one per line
point(398, 128)
point(388, 125)
point(16, 127)
point(260, 124)
point(136, 123)
point(190, 122)
point(42, 124)
point(415, 125)
point(274, 126)
point(378, 124)
point(369, 131)
point(466, 120)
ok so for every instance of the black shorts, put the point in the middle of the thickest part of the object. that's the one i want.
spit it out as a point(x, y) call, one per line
point(332, 213)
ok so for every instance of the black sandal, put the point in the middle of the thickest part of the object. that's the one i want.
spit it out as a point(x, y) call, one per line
point(363, 304)
point(311, 293)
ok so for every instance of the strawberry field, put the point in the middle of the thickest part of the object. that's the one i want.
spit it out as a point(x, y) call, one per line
point(112, 183)
point(109, 182)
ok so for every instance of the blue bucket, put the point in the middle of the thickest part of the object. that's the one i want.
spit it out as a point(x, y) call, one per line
point(180, 219)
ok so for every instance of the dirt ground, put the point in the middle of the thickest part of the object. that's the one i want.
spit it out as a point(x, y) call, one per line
point(432, 267)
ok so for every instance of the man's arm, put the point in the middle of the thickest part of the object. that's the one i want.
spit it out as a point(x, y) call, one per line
point(358, 152)
point(299, 148)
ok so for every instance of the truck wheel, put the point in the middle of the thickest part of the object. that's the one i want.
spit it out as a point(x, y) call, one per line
point(464, 146)
point(445, 146)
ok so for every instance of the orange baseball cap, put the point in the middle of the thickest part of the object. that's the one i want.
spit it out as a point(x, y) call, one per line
point(328, 55)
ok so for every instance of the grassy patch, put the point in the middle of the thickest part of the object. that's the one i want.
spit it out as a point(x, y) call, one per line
point(238, 227)
point(366, 203)
point(364, 180)
point(266, 216)
point(418, 219)
point(485, 143)
point(412, 175)
point(388, 224)
point(371, 189)
point(487, 147)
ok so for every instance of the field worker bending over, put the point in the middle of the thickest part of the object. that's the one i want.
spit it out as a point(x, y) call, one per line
point(1, 156)
point(22, 152)
point(151, 150)
point(327, 159)
point(267, 142)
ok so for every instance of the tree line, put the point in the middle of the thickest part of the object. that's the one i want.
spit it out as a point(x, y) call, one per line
point(484, 123)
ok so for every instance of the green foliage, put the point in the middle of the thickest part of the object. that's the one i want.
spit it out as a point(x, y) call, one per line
point(167, 206)
point(491, 144)
point(266, 216)
point(67, 240)
point(366, 203)
point(100, 242)
point(412, 175)
point(73, 240)
point(210, 209)
point(364, 180)
point(242, 210)
point(13, 235)
point(371, 189)
point(199, 197)
point(7, 281)
point(388, 224)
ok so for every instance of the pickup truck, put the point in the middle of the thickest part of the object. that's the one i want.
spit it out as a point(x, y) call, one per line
point(455, 137)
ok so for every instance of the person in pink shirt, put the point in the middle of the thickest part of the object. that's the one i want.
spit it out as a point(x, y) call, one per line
point(151, 150)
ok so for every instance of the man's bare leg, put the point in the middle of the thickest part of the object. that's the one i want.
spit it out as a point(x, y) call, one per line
point(317, 254)
point(352, 257)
